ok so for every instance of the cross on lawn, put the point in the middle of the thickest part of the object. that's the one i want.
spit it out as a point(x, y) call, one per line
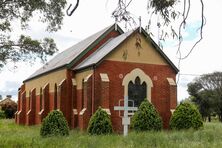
point(125, 118)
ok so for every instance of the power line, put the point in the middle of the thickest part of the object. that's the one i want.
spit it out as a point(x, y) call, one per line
point(186, 74)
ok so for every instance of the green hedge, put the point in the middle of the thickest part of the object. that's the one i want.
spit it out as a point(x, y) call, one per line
point(186, 116)
point(100, 123)
point(146, 118)
point(54, 124)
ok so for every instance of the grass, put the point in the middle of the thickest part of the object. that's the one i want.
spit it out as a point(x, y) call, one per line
point(12, 135)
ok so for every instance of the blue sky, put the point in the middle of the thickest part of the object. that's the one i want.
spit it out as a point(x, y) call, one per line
point(192, 31)
point(205, 58)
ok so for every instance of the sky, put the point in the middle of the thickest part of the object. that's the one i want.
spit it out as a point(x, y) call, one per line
point(92, 16)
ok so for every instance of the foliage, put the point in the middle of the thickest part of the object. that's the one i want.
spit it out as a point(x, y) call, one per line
point(202, 98)
point(26, 48)
point(9, 109)
point(54, 124)
point(160, 5)
point(186, 116)
point(13, 135)
point(146, 118)
point(100, 123)
point(2, 114)
point(206, 93)
point(168, 12)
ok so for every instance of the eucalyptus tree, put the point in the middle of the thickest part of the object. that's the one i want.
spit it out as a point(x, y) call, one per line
point(51, 12)
point(207, 93)
point(25, 48)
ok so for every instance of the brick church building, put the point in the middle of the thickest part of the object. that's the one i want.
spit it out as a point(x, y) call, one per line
point(100, 71)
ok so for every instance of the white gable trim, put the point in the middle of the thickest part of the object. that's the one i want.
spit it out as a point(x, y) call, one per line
point(143, 77)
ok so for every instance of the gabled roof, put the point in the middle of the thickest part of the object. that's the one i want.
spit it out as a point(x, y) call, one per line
point(104, 50)
point(110, 45)
point(70, 56)
point(6, 100)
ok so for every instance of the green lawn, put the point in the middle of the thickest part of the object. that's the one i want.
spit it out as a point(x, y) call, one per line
point(12, 135)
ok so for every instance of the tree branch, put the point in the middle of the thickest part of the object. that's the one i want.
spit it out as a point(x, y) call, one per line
point(203, 22)
point(67, 11)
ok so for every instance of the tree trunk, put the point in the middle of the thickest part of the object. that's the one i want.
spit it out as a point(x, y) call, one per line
point(220, 119)
point(209, 118)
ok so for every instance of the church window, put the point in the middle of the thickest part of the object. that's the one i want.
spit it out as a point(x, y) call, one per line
point(55, 96)
point(137, 92)
point(41, 106)
point(137, 84)
point(30, 100)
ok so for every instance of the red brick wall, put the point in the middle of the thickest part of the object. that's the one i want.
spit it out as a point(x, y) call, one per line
point(160, 95)
point(66, 103)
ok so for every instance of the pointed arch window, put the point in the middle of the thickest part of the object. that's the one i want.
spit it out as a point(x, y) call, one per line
point(55, 96)
point(137, 84)
point(137, 92)
point(41, 99)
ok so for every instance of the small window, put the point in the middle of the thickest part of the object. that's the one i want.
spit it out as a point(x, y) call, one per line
point(55, 96)
point(82, 94)
point(41, 106)
point(30, 97)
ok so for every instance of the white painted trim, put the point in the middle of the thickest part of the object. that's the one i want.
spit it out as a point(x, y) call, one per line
point(104, 77)
point(74, 82)
point(28, 112)
point(75, 111)
point(172, 110)
point(45, 86)
point(107, 110)
point(87, 77)
point(32, 90)
point(82, 111)
point(171, 81)
point(19, 112)
point(143, 77)
point(61, 82)
point(41, 111)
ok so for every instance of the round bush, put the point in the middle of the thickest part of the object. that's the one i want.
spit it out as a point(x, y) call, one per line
point(54, 124)
point(146, 118)
point(186, 116)
point(100, 123)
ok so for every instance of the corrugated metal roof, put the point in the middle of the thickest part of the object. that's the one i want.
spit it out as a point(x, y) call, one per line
point(68, 55)
point(105, 49)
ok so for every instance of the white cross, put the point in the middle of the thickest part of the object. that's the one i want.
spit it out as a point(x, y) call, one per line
point(125, 118)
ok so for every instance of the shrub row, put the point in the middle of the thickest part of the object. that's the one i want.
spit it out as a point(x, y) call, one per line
point(146, 118)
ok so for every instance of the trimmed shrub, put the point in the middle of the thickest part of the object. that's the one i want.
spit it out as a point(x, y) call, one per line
point(100, 123)
point(146, 118)
point(2, 114)
point(54, 124)
point(9, 109)
point(186, 116)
